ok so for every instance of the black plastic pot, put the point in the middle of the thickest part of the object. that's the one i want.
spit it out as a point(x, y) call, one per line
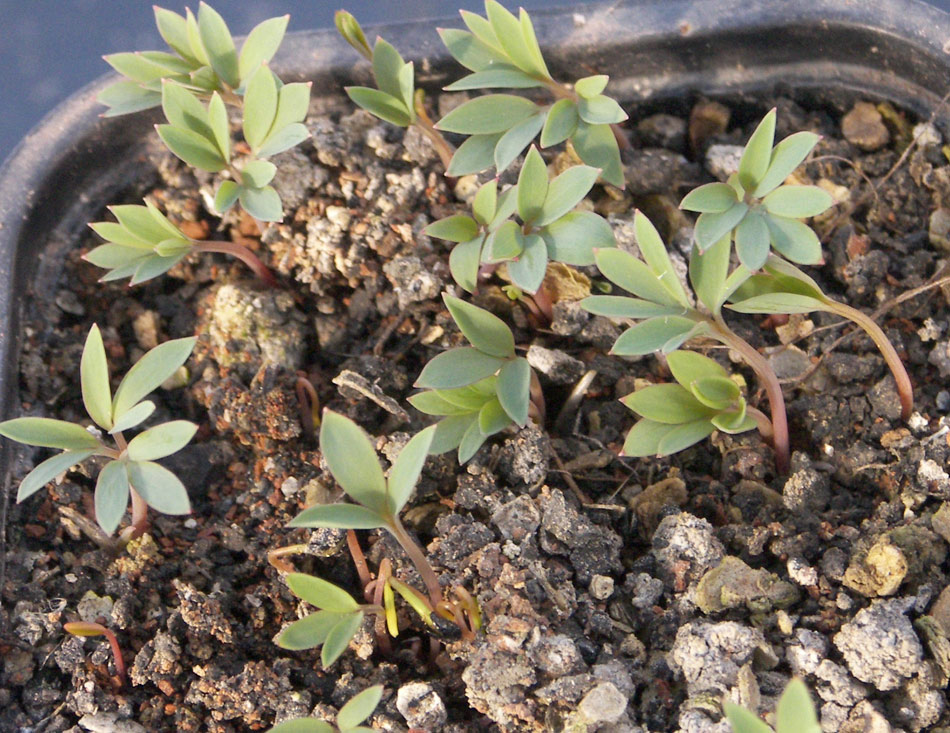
point(74, 162)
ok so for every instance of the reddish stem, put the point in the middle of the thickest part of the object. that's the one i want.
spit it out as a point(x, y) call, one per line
point(309, 405)
point(83, 628)
point(359, 559)
point(242, 253)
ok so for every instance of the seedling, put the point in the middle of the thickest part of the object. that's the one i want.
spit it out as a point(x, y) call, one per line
point(142, 244)
point(395, 100)
point(502, 51)
point(352, 461)
point(82, 628)
point(754, 207)
point(205, 64)
point(130, 471)
point(549, 228)
point(795, 713)
point(355, 711)
point(479, 390)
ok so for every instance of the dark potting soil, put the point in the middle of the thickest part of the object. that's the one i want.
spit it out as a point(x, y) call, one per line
point(618, 594)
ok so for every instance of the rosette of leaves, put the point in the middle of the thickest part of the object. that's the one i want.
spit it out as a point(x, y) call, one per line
point(356, 710)
point(795, 713)
point(478, 390)
point(141, 244)
point(676, 416)
point(502, 51)
point(131, 469)
point(273, 115)
point(201, 56)
point(755, 209)
point(549, 230)
point(783, 288)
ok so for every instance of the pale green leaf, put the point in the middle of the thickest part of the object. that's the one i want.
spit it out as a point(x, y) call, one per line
point(651, 335)
point(485, 202)
point(683, 436)
point(708, 271)
point(449, 432)
point(149, 372)
point(681, 337)
point(471, 52)
point(261, 203)
point(283, 139)
point(795, 712)
point(140, 68)
point(258, 173)
point(308, 632)
point(349, 453)
point(472, 440)
point(220, 127)
point(125, 97)
point(493, 78)
point(217, 41)
point(778, 303)
point(116, 233)
point(591, 86)
point(474, 155)
point(173, 30)
point(758, 153)
point(407, 467)
point(654, 253)
point(531, 46)
point(111, 496)
point(506, 243)
point(192, 148)
point(528, 270)
point(339, 638)
point(94, 378)
point(574, 237)
point(511, 37)
point(472, 397)
point(618, 306)
point(464, 261)
point(133, 417)
point(797, 202)
point(565, 192)
point(260, 106)
point(735, 421)
point(786, 157)
point(532, 186)
point(226, 196)
point(340, 516)
point(742, 721)
point(513, 142)
point(507, 203)
point(688, 366)
point(195, 44)
point(492, 418)
point(794, 239)
point(321, 594)
point(633, 275)
point(492, 113)
point(482, 29)
point(162, 440)
point(671, 404)
point(712, 198)
point(49, 470)
point(752, 241)
point(600, 110)
point(485, 331)
point(458, 368)
point(560, 123)
point(716, 392)
point(710, 228)
point(48, 433)
point(293, 103)
point(261, 44)
point(386, 66)
point(383, 105)
point(359, 708)
point(644, 438)
point(124, 271)
point(184, 111)
point(597, 146)
point(151, 267)
point(161, 489)
point(514, 389)
point(786, 270)
point(140, 222)
point(302, 725)
point(173, 247)
point(352, 33)
point(431, 402)
point(455, 228)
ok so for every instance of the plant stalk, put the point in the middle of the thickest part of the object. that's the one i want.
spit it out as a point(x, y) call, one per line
point(242, 253)
point(139, 507)
point(425, 125)
point(773, 389)
point(905, 389)
point(418, 558)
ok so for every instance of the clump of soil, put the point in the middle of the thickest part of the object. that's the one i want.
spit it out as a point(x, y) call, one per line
point(618, 594)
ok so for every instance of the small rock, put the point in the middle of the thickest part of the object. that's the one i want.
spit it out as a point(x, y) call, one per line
point(863, 718)
point(940, 521)
point(109, 723)
point(518, 519)
point(654, 170)
point(733, 584)
point(926, 133)
point(663, 131)
point(723, 160)
point(557, 656)
point(710, 654)
point(938, 229)
point(933, 477)
point(840, 687)
point(91, 607)
point(807, 490)
point(645, 592)
point(558, 366)
point(789, 362)
point(941, 610)
point(940, 357)
point(879, 645)
point(421, 706)
point(685, 547)
point(707, 119)
point(801, 572)
point(412, 281)
point(884, 400)
point(807, 652)
point(879, 572)
point(604, 704)
point(568, 318)
point(601, 587)
point(863, 126)
point(920, 704)
point(943, 400)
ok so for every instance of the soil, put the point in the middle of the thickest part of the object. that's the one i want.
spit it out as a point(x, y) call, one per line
point(619, 595)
